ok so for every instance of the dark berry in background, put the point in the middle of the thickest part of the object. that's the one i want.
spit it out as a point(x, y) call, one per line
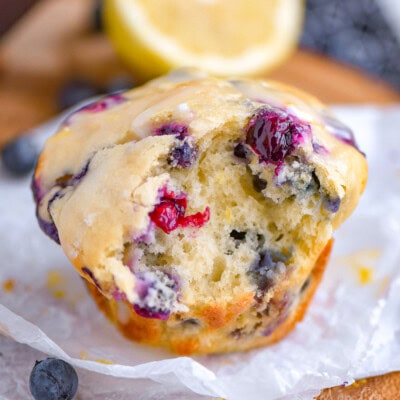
point(53, 379)
point(119, 84)
point(19, 156)
point(75, 91)
point(97, 18)
point(355, 32)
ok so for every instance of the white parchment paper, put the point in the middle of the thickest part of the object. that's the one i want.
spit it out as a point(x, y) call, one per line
point(351, 330)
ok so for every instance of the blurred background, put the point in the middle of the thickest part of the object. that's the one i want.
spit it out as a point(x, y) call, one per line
point(363, 33)
point(55, 53)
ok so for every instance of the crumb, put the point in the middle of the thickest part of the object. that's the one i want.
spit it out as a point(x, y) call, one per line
point(101, 361)
point(9, 285)
point(54, 278)
point(55, 283)
point(357, 383)
point(365, 275)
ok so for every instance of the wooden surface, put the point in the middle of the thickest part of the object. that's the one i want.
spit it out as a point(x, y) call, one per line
point(53, 43)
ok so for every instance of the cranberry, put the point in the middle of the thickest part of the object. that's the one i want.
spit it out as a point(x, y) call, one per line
point(196, 220)
point(169, 213)
point(274, 134)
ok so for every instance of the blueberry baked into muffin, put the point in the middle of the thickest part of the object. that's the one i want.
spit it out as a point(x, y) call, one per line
point(200, 210)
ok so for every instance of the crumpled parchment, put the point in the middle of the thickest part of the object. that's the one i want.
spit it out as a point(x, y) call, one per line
point(351, 330)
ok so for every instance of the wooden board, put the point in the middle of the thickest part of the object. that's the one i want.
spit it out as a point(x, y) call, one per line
point(53, 44)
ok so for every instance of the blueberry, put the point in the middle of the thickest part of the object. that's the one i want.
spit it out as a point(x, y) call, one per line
point(332, 204)
point(190, 322)
point(49, 229)
point(268, 265)
point(157, 293)
point(183, 156)
point(173, 128)
point(241, 151)
point(53, 379)
point(259, 184)
point(314, 184)
point(75, 91)
point(274, 134)
point(19, 156)
point(305, 285)
point(88, 272)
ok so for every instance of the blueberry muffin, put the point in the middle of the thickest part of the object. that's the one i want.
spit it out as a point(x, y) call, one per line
point(200, 211)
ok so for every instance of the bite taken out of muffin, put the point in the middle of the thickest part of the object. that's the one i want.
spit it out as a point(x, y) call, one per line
point(199, 210)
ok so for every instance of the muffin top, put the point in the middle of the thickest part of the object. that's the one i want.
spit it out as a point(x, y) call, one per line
point(131, 170)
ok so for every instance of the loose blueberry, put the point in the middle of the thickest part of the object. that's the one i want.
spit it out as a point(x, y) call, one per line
point(183, 156)
point(173, 128)
point(19, 156)
point(241, 150)
point(75, 91)
point(53, 379)
point(274, 134)
point(259, 184)
point(169, 213)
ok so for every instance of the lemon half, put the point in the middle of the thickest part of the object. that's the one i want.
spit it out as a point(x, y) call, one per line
point(222, 37)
